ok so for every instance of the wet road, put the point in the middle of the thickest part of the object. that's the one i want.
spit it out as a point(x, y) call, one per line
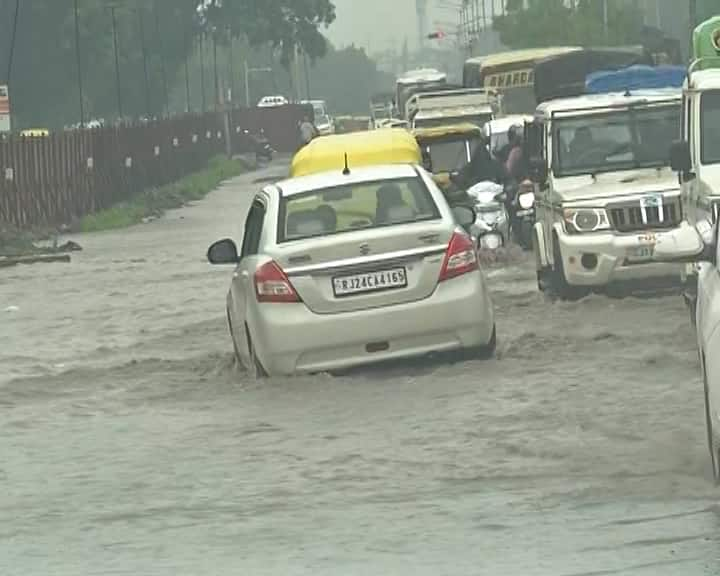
point(129, 444)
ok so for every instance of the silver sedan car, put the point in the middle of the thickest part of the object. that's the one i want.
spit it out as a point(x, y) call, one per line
point(342, 269)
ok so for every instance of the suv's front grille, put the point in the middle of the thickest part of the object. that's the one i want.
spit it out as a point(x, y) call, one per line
point(633, 217)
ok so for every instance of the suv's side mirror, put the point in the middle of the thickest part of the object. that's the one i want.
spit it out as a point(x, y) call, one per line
point(680, 160)
point(223, 252)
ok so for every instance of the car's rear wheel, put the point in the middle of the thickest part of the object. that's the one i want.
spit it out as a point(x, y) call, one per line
point(488, 351)
point(256, 369)
point(236, 351)
point(713, 442)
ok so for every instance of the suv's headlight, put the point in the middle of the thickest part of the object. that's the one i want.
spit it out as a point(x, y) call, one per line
point(579, 220)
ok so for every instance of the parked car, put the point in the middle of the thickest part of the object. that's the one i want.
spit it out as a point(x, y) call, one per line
point(700, 245)
point(350, 267)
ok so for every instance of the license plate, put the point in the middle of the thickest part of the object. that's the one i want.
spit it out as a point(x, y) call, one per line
point(640, 253)
point(369, 282)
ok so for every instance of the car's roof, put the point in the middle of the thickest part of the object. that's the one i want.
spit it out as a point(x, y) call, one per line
point(453, 112)
point(375, 147)
point(322, 180)
point(422, 75)
point(603, 101)
point(439, 132)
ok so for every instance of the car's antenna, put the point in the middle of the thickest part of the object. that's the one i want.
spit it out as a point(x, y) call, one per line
point(346, 170)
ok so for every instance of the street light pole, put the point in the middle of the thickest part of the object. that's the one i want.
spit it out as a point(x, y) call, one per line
point(202, 70)
point(79, 64)
point(117, 62)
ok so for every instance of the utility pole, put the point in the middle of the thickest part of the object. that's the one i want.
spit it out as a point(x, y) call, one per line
point(117, 62)
point(307, 76)
point(202, 70)
point(215, 69)
point(187, 69)
point(143, 47)
point(605, 21)
point(162, 60)
point(79, 64)
point(231, 65)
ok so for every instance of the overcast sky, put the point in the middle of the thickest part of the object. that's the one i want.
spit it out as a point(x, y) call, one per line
point(379, 23)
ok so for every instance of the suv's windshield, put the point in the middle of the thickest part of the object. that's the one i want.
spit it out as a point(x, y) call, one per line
point(354, 207)
point(710, 123)
point(635, 138)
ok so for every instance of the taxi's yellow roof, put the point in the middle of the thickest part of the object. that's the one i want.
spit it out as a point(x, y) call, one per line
point(375, 147)
point(437, 132)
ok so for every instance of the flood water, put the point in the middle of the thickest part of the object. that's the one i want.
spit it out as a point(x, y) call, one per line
point(130, 445)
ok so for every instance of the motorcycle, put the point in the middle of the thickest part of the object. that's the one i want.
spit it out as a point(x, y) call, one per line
point(492, 226)
point(260, 145)
point(521, 207)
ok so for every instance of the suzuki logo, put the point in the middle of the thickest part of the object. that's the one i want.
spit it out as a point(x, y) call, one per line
point(364, 248)
point(653, 201)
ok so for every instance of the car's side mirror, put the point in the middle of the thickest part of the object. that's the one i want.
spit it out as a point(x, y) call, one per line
point(680, 160)
point(684, 244)
point(464, 215)
point(223, 252)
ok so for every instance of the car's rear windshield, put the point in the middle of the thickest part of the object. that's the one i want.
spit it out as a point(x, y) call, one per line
point(357, 206)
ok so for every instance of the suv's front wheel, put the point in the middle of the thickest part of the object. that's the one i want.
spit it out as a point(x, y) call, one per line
point(560, 287)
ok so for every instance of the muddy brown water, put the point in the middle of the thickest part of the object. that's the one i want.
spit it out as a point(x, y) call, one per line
point(130, 445)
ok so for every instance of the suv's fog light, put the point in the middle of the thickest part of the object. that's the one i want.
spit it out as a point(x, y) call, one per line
point(589, 261)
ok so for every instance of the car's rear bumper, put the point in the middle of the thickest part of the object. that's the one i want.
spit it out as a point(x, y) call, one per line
point(613, 256)
point(289, 338)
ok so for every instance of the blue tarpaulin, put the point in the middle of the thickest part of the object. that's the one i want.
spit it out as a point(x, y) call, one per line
point(636, 78)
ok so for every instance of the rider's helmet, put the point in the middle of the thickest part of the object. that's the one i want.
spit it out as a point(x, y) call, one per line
point(515, 134)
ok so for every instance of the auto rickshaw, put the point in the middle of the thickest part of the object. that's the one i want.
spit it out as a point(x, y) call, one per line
point(448, 149)
point(390, 146)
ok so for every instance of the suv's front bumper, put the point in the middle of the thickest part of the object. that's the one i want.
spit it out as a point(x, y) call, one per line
point(599, 259)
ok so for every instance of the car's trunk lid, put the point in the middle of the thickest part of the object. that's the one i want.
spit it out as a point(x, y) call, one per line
point(366, 269)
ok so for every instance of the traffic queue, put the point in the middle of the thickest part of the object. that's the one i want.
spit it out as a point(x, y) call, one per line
point(370, 251)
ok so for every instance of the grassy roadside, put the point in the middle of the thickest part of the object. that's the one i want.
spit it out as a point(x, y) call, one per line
point(154, 202)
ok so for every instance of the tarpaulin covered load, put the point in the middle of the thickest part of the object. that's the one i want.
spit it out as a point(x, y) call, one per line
point(564, 75)
point(636, 78)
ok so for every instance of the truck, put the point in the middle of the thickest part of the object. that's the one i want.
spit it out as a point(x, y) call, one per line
point(441, 108)
point(603, 187)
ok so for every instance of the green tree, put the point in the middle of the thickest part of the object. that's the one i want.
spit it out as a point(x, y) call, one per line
point(555, 23)
point(44, 83)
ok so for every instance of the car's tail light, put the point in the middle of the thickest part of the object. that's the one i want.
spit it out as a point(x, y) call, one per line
point(460, 258)
point(272, 284)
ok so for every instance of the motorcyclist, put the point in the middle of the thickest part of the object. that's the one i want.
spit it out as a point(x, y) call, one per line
point(481, 168)
point(307, 131)
point(515, 133)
